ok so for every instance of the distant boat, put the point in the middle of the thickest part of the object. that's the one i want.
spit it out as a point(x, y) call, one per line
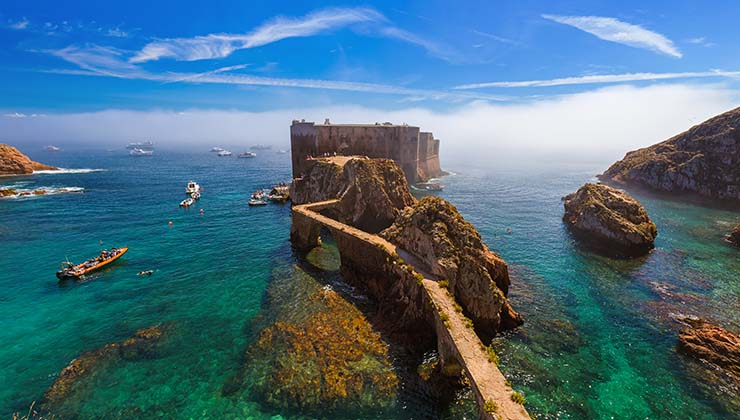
point(261, 147)
point(434, 187)
point(217, 149)
point(141, 152)
point(282, 152)
point(247, 155)
point(225, 153)
point(51, 148)
point(192, 188)
point(187, 202)
point(258, 195)
point(145, 145)
point(255, 202)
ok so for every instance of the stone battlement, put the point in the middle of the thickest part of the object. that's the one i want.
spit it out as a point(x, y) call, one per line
point(414, 151)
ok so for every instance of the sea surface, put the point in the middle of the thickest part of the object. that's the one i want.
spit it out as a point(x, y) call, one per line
point(598, 342)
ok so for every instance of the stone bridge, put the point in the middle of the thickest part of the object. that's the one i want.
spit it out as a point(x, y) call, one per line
point(458, 345)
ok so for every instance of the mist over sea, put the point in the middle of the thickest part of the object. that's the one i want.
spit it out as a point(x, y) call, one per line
point(598, 339)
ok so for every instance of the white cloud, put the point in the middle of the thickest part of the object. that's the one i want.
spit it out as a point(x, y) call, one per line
point(431, 47)
point(604, 78)
point(16, 115)
point(598, 125)
point(495, 37)
point(116, 33)
point(222, 45)
point(614, 30)
point(19, 25)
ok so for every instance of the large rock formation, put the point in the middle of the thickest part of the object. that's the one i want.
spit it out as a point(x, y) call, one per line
point(734, 236)
point(610, 220)
point(142, 344)
point(372, 192)
point(13, 162)
point(714, 344)
point(435, 233)
point(703, 161)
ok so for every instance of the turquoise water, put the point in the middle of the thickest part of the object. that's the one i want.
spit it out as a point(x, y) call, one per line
point(598, 340)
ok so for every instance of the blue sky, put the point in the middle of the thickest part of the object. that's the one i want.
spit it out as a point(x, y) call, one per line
point(92, 56)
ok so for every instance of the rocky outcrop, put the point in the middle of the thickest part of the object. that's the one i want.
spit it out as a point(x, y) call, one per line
point(372, 192)
point(142, 344)
point(704, 341)
point(703, 161)
point(331, 359)
point(435, 233)
point(734, 236)
point(13, 162)
point(610, 221)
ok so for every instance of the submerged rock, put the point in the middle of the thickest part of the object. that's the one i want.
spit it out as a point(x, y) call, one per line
point(435, 233)
point(610, 220)
point(330, 360)
point(734, 236)
point(143, 344)
point(703, 161)
point(372, 192)
point(714, 344)
point(13, 162)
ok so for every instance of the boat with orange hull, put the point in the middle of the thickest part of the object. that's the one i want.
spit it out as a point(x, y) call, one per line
point(71, 271)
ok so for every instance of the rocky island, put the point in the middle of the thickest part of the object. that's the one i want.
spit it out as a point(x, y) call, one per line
point(703, 162)
point(610, 221)
point(433, 279)
point(13, 162)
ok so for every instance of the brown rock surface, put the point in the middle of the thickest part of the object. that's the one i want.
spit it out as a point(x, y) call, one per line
point(734, 236)
point(703, 161)
point(610, 220)
point(372, 192)
point(435, 233)
point(13, 162)
point(714, 344)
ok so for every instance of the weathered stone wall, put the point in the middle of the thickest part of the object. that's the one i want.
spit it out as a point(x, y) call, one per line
point(416, 153)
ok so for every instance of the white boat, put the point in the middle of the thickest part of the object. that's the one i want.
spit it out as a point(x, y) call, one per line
point(282, 152)
point(51, 148)
point(217, 149)
point(192, 188)
point(258, 195)
point(224, 153)
point(247, 155)
point(187, 202)
point(195, 196)
point(141, 152)
point(255, 202)
point(144, 145)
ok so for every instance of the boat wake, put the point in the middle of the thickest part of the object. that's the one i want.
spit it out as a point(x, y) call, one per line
point(6, 192)
point(69, 171)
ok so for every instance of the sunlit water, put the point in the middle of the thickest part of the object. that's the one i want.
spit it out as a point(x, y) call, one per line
point(597, 342)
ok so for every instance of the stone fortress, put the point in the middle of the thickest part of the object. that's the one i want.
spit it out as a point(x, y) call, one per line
point(416, 152)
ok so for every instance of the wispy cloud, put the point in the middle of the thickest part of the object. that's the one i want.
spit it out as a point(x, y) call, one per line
point(602, 79)
point(17, 115)
point(495, 37)
point(700, 41)
point(20, 24)
point(94, 60)
point(223, 45)
point(432, 48)
point(614, 30)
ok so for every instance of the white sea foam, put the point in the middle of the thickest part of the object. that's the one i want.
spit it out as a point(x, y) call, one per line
point(69, 171)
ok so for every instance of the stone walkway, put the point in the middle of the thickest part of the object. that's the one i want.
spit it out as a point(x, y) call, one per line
point(486, 380)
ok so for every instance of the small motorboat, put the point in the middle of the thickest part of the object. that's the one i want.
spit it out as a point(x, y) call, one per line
point(145, 273)
point(216, 149)
point(247, 155)
point(195, 196)
point(258, 195)
point(51, 148)
point(143, 145)
point(255, 202)
point(224, 153)
point(434, 187)
point(141, 152)
point(106, 257)
point(192, 188)
point(187, 202)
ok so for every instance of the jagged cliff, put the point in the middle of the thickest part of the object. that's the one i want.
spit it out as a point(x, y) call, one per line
point(434, 232)
point(13, 162)
point(372, 192)
point(703, 161)
point(609, 220)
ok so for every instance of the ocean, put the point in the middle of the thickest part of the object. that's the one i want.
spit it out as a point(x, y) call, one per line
point(598, 340)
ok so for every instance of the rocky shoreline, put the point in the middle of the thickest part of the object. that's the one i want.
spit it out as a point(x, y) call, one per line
point(13, 162)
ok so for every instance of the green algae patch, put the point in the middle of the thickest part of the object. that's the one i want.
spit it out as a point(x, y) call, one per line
point(332, 360)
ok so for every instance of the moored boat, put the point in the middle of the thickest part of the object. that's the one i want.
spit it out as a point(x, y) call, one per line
point(106, 257)
point(255, 202)
point(224, 153)
point(247, 155)
point(187, 202)
point(258, 195)
point(217, 149)
point(141, 152)
point(192, 188)
point(145, 145)
point(434, 187)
